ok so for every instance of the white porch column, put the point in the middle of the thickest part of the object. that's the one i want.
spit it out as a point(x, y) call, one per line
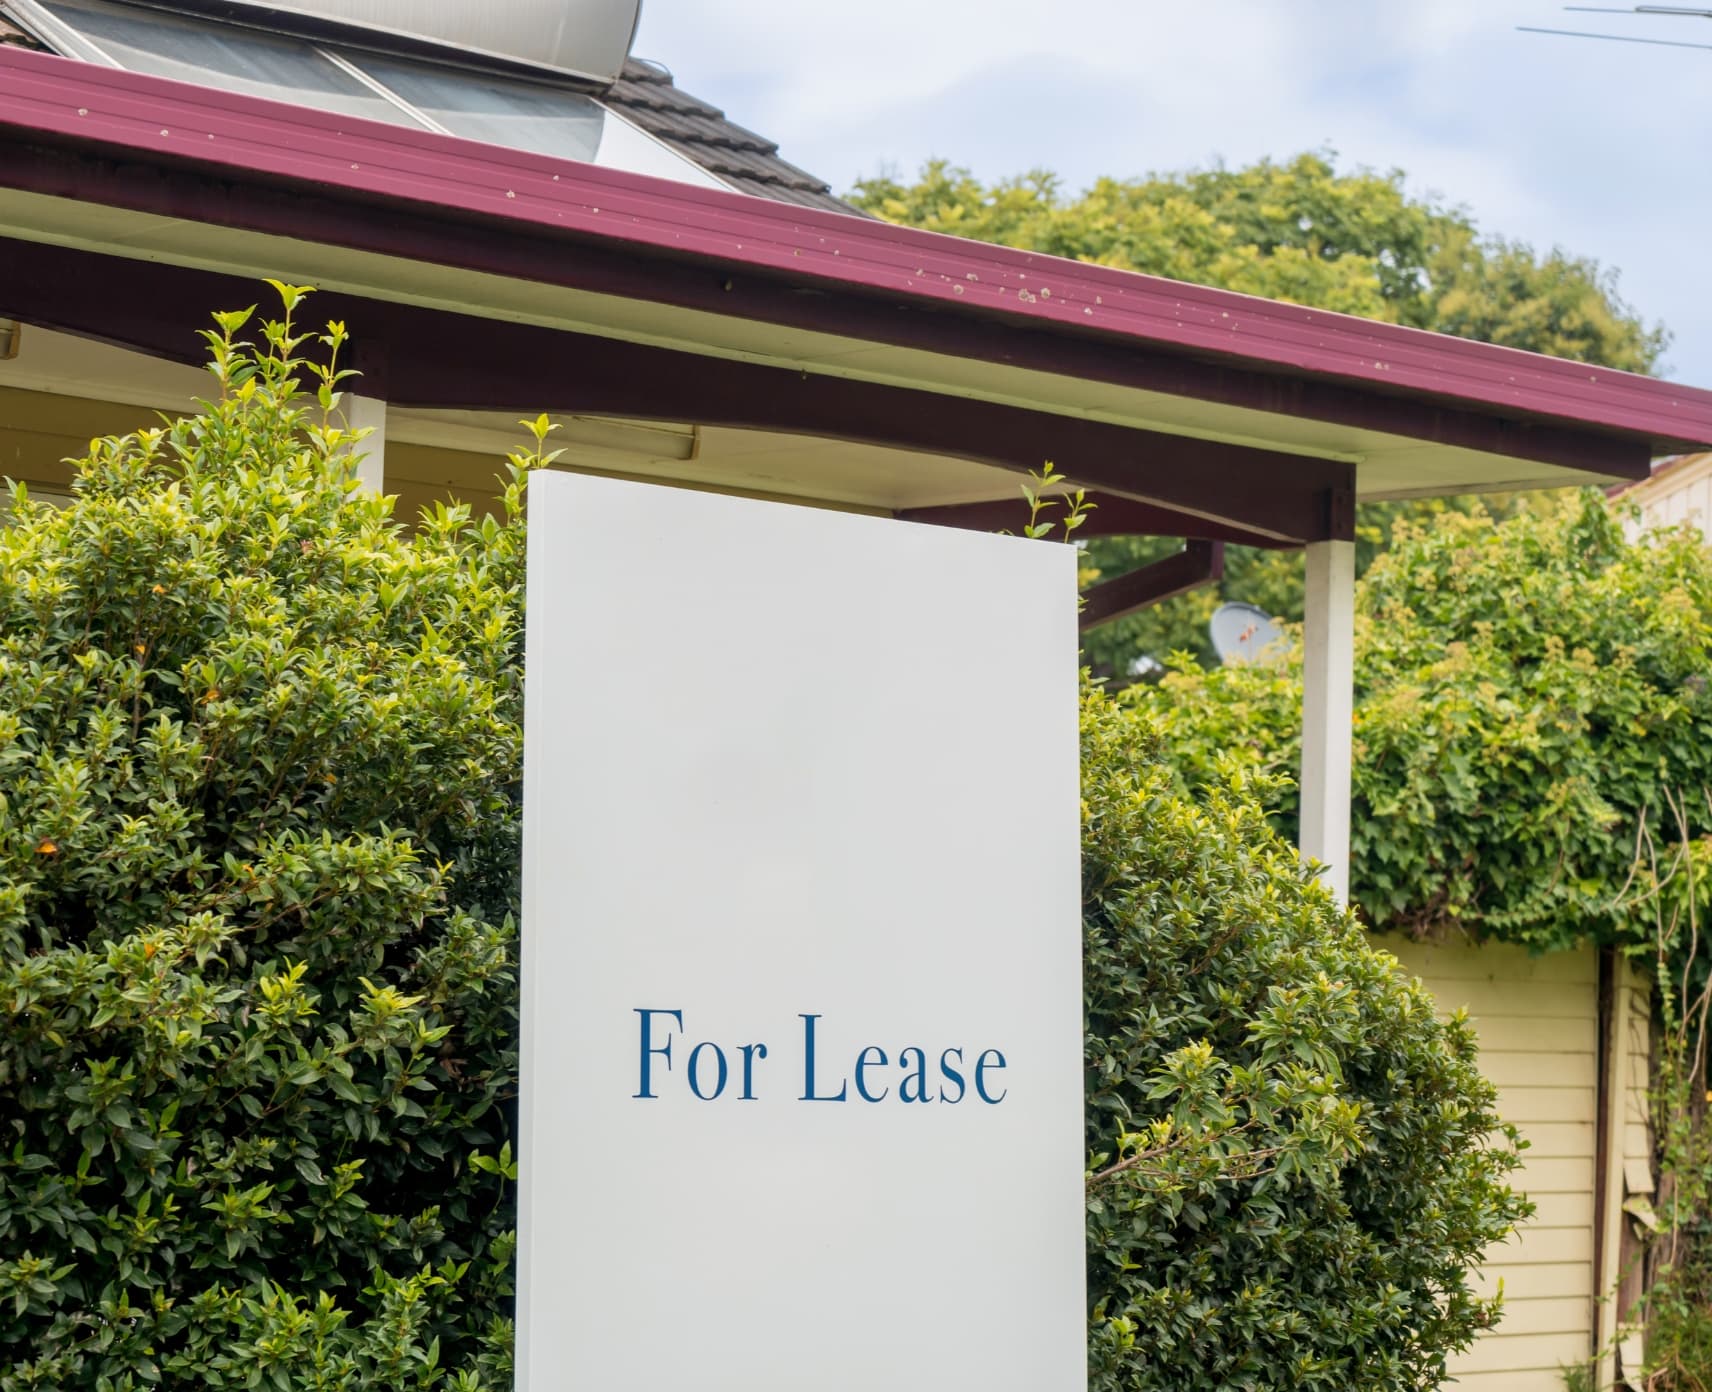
point(1328, 708)
point(368, 413)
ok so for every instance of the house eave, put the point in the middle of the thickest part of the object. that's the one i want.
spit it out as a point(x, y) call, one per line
point(98, 136)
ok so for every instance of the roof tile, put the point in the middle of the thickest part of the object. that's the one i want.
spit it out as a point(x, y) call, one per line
point(646, 94)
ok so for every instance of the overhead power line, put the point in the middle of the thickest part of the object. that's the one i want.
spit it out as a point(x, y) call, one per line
point(1678, 10)
point(1613, 38)
point(1665, 11)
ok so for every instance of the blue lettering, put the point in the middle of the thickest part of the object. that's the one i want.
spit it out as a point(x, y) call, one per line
point(809, 1094)
point(863, 1062)
point(695, 1071)
point(951, 1075)
point(709, 1071)
point(751, 1052)
point(649, 1050)
point(919, 1074)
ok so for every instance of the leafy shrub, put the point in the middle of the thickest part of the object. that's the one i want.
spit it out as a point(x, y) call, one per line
point(259, 754)
point(258, 762)
point(1527, 693)
point(1295, 1162)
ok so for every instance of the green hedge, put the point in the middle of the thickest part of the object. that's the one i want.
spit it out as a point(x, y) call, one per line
point(259, 755)
point(1313, 1159)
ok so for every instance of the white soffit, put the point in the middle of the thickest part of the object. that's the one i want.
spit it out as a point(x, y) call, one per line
point(763, 463)
point(1389, 466)
point(65, 365)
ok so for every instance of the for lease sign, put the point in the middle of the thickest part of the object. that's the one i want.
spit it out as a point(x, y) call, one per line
point(801, 952)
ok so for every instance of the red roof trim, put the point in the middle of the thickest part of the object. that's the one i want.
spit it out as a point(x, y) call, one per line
point(1660, 470)
point(59, 98)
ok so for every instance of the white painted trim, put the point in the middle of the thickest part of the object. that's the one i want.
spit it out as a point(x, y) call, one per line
point(1691, 469)
point(368, 413)
point(1614, 1092)
point(693, 174)
point(380, 89)
point(1328, 709)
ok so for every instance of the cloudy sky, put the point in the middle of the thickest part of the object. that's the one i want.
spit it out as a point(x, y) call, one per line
point(1601, 149)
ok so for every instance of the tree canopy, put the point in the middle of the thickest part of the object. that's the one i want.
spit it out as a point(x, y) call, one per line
point(1358, 242)
point(1298, 230)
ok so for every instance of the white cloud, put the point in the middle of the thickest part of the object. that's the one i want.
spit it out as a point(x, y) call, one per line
point(1598, 148)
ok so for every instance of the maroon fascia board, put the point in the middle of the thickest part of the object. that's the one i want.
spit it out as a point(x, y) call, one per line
point(836, 270)
point(1177, 485)
point(432, 235)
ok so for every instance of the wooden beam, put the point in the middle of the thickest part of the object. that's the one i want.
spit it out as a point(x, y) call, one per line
point(411, 356)
point(1198, 563)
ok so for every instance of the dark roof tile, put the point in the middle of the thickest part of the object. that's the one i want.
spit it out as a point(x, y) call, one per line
point(646, 94)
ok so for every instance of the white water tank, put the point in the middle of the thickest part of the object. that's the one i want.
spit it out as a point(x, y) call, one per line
point(590, 38)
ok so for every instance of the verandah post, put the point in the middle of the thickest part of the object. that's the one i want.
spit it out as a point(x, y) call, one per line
point(1328, 708)
point(368, 413)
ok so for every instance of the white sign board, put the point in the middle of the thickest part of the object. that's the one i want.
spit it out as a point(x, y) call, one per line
point(802, 1054)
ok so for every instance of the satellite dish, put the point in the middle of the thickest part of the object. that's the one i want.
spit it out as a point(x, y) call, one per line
point(1241, 633)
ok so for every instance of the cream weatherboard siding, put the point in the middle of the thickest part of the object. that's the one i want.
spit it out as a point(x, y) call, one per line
point(1538, 1022)
point(1681, 491)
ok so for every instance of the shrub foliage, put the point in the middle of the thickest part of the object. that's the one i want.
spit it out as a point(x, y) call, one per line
point(258, 760)
point(1527, 694)
point(1294, 1161)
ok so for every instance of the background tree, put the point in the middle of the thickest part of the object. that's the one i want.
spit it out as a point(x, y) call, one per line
point(1528, 693)
point(1356, 242)
point(1533, 764)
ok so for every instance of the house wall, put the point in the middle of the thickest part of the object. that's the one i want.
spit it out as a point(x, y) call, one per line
point(1538, 1023)
point(39, 431)
point(1680, 492)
